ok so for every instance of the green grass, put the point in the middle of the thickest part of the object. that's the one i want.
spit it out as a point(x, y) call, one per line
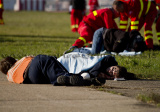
point(151, 98)
point(26, 33)
point(33, 33)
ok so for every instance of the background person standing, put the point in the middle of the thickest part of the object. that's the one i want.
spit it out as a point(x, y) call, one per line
point(77, 13)
point(1, 12)
point(158, 20)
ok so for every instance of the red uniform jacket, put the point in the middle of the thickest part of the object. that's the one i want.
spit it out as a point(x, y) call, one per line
point(157, 1)
point(95, 20)
point(101, 18)
point(141, 12)
point(158, 20)
point(134, 9)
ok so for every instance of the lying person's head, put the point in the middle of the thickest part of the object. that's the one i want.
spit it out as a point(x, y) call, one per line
point(116, 71)
point(6, 64)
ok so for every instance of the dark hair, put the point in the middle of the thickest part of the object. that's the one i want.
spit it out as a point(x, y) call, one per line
point(137, 41)
point(6, 64)
point(117, 3)
point(122, 71)
point(130, 76)
point(139, 46)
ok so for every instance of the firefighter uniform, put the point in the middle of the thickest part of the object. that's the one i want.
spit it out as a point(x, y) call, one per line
point(1, 12)
point(77, 13)
point(141, 12)
point(93, 5)
point(92, 22)
point(158, 20)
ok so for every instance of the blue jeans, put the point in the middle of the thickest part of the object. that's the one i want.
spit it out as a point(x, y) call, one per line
point(98, 44)
point(45, 70)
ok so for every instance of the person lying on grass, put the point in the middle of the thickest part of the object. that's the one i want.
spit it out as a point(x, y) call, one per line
point(43, 69)
point(115, 40)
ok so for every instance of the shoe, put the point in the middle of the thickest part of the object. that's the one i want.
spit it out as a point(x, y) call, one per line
point(73, 80)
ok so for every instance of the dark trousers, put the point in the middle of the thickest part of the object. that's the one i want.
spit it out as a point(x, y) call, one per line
point(44, 70)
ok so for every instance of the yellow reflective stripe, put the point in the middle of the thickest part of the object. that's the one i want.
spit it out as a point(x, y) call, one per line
point(1, 5)
point(140, 13)
point(95, 13)
point(81, 38)
point(148, 31)
point(122, 27)
point(148, 6)
point(134, 22)
point(74, 26)
point(158, 33)
point(158, 38)
point(148, 37)
point(123, 22)
point(134, 27)
point(157, 7)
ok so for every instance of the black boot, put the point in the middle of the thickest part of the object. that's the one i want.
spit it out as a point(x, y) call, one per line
point(73, 80)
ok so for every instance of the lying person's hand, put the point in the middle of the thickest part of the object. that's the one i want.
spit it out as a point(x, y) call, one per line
point(70, 49)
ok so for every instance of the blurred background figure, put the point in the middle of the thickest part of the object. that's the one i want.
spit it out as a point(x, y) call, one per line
point(70, 6)
point(77, 13)
point(93, 5)
point(1, 12)
point(158, 20)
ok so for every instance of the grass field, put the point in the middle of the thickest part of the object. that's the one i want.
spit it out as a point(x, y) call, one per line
point(33, 33)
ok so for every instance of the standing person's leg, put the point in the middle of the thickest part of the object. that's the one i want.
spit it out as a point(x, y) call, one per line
point(1, 12)
point(98, 44)
point(79, 17)
point(1, 16)
point(158, 28)
point(149, 19)
point(74, 25)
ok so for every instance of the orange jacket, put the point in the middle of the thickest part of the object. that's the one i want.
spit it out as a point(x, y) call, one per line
point(15, 73)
